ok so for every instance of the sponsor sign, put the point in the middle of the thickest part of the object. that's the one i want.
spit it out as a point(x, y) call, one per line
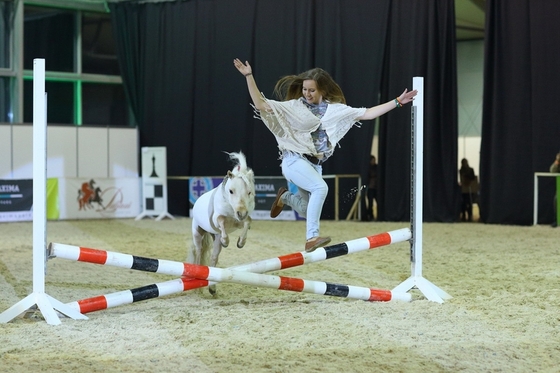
point(16, 200)
point(200, 185)
point(265, 194)
point(154, 182)
point(98, 198)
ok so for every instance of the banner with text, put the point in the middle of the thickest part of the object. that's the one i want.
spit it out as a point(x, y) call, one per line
point(265, 193)
point(16, 200)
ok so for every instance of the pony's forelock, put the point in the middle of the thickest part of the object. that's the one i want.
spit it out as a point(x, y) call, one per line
point(241, 163)
point(241, 170)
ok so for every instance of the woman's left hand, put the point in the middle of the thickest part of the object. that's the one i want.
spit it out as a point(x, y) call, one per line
point(407, 96)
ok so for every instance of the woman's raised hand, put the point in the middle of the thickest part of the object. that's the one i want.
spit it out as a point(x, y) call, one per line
point(407, 96)
point(244, 68)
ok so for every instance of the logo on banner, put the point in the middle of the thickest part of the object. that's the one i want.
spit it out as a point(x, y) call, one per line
point(7, 188)
point(16, 196)
point(92, 197)
point(200, 185)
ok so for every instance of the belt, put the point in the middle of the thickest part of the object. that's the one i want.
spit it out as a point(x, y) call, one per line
point(312, 159)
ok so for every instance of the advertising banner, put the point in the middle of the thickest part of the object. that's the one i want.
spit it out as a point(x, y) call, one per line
point(154, 183)
point(200, 185)
point(265, 193)
point(99, 198)
point(16, 200)
point(52, 199)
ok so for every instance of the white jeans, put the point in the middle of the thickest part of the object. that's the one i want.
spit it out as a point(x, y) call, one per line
point(312, 190)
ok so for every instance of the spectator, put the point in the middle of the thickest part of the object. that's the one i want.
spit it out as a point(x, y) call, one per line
point(468, 181)
point(371, 194)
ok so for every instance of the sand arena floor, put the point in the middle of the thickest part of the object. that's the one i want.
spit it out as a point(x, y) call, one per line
point(503, 317)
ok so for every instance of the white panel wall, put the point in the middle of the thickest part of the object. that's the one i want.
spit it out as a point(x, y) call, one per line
point(5, 156)
point(61, 151)
point(93, 150)
point(22, 152)
point(71, 151)
point(123, 152)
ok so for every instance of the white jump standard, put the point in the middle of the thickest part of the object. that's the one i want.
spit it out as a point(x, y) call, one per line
point(46, 304)
point(416, 280)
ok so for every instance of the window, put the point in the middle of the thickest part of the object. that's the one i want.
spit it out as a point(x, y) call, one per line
point(104, 104)
point(99, 54)
point(49, 34)
point(6, 73)
point(6, 25)
point(5, 102)
point(82, 75)
point(60, 101)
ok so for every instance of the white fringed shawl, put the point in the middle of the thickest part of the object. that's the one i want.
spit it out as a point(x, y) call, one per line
point(292, 123)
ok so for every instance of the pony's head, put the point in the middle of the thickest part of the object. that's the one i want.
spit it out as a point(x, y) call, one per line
point(240, 187)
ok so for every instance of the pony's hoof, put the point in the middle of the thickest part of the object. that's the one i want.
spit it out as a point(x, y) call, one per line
point(212, 290)
point(240, 243)
point(225, 243)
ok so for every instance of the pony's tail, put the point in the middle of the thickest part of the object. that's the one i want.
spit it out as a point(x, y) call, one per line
point(207, 246)
point(206, 252)
point(241, 162)
point(190, 253)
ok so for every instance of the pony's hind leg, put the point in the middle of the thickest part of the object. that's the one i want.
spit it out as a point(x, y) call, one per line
point(195, 252)
point(243, 237)
point(217, 249)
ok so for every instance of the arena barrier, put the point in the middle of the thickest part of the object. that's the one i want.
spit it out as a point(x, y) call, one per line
point(200, 276)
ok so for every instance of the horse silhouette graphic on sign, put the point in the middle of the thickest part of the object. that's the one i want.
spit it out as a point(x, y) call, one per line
point(88, 195)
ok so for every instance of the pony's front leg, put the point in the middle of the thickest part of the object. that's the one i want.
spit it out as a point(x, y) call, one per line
point(243, 237)
point(222, 221)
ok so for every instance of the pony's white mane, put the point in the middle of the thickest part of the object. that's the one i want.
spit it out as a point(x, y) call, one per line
point(240, 169)
point(241, 164)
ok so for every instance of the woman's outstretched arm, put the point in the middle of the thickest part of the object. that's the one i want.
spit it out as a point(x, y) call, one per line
point(379, 110)
point(247, 71)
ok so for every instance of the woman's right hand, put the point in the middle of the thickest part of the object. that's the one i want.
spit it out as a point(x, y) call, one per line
point(256, 96)
point(244, 68)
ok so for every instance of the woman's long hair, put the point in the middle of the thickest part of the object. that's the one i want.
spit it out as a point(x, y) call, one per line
point(290, 87)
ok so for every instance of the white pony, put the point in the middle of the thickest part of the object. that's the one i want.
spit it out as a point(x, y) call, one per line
point(221, 211)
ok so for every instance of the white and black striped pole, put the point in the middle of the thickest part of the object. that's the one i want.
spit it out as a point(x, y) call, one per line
point(102, 302)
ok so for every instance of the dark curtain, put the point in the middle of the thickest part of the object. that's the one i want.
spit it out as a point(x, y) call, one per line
point(421, 43)
point(520, 125)
point(177, 64)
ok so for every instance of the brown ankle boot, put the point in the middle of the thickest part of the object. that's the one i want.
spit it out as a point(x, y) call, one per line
point(278, 205)
point(316, 242)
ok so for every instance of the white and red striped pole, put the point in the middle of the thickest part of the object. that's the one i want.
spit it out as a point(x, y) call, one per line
point(327, 252)
point(179, 285)
point(120, 298)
